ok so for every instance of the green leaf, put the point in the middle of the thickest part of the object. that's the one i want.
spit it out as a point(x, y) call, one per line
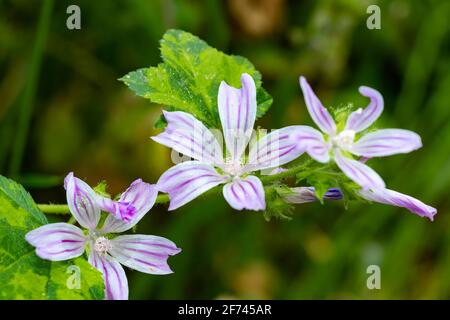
point(189, 77)
point(23, 275)
point(101, 189)
point(276, 205)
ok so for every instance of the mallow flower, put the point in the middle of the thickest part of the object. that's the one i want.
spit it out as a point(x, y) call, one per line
point(106, 252)
point(211, 165)
point(340, 144)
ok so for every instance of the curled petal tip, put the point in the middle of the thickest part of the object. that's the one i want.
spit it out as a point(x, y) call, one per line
point(431, 213)
point(370, 92)
point(173, 207)
point(362, 119)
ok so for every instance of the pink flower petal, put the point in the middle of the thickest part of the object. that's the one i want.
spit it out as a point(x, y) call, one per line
point(141, 197)
point(360, 173)
point(313, 142)
point(275, 149)
point(386, 142)
point(186, 181)
point(144, 253)
point(82, 202)
point(57, 241)
point(245, 193)
point(237, 110)
point(185, 134)
point(116, 282)
point(318, 112)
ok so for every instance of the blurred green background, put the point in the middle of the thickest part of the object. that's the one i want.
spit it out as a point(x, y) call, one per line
point(62, 109)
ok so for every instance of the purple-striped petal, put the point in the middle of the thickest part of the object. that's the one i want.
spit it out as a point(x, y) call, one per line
point(386, 142)
point(237, 110)
point(57, 241)
point(185, 134)
point(318, 112)
point(121, 211)
point(245, 193)
point(116, 282)
point(360, 119)
point(82, 202)
point(398, 199)
point(187, 180)
point(313, 142)
point(141, 197)
point(144, 253)
point(308, 194)
point(360, 173)
point(273, 150)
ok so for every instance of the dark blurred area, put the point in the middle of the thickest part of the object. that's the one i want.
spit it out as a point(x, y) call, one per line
point(62, 109)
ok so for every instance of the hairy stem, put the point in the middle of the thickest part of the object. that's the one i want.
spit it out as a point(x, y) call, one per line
point(291, 172)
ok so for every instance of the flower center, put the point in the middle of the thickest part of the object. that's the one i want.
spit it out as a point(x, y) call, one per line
point(102, 245)
point(344, 139)
point(233, 167)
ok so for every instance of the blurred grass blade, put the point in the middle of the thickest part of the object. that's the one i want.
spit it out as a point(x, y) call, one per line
point(40, 181)
point(27, 100)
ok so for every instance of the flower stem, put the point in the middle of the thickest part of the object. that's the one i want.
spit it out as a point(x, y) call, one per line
point(54, 208)
point(291, 172)
point(64, 208)
point(164, 198)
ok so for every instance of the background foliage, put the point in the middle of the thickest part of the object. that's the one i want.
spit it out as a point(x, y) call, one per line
point(62, 109)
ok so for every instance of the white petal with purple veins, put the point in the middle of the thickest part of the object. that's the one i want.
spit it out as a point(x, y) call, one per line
point(318, 112)
point(185, 134)
point(186, 181)
point(313, 142)
point(245, 193)
point(144, 253)
point(141, 196)
point(119, 210)
point(116, 282)
point(398, 199)
point(386, 142)
point(275, 149)
point(57, 241)
point(361, 119)
point(237, 110)
point(360, 173)
point(82, 202)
